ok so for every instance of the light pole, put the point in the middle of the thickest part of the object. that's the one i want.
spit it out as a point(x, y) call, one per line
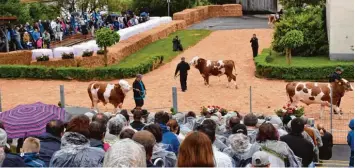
point(168, 7)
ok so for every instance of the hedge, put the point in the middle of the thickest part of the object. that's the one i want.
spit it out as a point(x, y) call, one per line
point(315, 71)
point(111, 72)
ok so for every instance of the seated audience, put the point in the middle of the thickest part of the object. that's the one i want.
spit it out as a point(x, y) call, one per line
point(300, 146)
point(97, 134)
point(196, 151)
point(160, 149)
point(30, 151)
point(9, 159)
point(127, 133)
point(125, 153)
point(146, 139)
point(325, 152)
point(280, 154)
point(169, 138)
point(260, 159)
point(50, 141)
point(75, 148)
point(222, 159)
point(250, 120)
point(137, 124)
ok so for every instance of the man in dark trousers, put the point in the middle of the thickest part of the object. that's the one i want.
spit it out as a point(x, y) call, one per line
point(254, 45)
point(336, 76)
point(182, 67)
point(139, 91)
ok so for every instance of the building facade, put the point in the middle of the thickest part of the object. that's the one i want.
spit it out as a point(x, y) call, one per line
point(340, 27)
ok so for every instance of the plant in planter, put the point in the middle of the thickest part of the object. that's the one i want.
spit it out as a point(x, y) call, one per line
point(100, 52)
point(88, 53)
point(173, 111)
point(105, 37)
point(68, 56)
point(43, 58)
point(288, 110)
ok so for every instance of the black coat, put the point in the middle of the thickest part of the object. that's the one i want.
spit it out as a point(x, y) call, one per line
point(183, 67)
point(136, 85)
point(49, 145)
point(300, 147)
point(325, 152)
point(254, 42)
point(334, 76)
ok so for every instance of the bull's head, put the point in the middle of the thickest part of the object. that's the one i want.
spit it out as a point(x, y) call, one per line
point(194, 61)
point(345, 84)
point(125, 86)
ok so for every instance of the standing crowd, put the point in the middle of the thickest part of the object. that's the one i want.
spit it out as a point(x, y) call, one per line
point(41, 33)
point(181, 140)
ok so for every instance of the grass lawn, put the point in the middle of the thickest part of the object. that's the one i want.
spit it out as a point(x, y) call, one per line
point(280, 60)
point(164, 47)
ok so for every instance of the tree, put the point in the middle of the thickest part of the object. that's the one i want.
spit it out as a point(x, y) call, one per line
point(105, 37)
point(291, 40)
point(299, 3)
point(312, 24)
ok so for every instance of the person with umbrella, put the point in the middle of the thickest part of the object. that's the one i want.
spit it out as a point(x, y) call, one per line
point(139, 91)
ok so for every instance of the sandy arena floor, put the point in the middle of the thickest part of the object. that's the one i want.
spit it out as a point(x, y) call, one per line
point(227, 44)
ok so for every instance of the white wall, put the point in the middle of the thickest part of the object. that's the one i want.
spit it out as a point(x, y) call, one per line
point(340, 22)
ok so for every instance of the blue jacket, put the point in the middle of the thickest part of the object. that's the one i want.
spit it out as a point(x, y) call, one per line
point(49, 145)
point(96, 143)
point(170, 139)
point(13, 160)
point(351, 135)
point(32, 160)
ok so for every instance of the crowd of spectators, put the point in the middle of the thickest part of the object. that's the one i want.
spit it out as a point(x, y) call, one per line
point(181, 140)
point(40, 34)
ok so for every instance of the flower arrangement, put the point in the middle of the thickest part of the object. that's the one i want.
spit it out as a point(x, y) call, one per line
point(173, 111)
point(287, 110)
point(43, 58)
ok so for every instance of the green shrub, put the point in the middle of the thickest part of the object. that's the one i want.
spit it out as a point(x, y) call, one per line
point(311, 23)
point(299, 3)
point(88, 53)
point(269, 59)
point(159, 7)
point(306, 68)
point(68, 56)
point(43, 58)
point(102, 73)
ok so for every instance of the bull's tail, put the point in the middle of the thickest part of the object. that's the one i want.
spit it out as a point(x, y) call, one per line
point(235, 70)
point(90, 94)
point(287, 94)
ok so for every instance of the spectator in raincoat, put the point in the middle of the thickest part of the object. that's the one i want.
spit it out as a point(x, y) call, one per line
point(250, 120)
point(279, 152)
point(75, 148)
point(351, 142)
point(169, 138)
point(50, 141)
point(125, 153)
point(114, 128)
point(325, 152)
point(160, 149)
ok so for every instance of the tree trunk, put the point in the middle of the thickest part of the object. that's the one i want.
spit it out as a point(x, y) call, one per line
point(288, 56)
point(105, 56)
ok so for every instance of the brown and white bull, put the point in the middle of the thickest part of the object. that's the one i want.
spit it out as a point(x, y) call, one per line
point(318, 93)
point(215, 68)
point(108, 93)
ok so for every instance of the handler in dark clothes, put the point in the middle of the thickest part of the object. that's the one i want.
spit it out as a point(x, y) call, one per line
point(336, 76)
point(254, 45)
point(182, 67)
point(139, 91)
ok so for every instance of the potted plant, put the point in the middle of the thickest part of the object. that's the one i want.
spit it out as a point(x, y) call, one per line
point(68, 56)
point(43, 58)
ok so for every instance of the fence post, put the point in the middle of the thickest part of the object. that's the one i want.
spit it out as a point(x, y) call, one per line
point(62, 98)
point(175, 99)
point(331, 110)
point(250, 100)
point(0, 102)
